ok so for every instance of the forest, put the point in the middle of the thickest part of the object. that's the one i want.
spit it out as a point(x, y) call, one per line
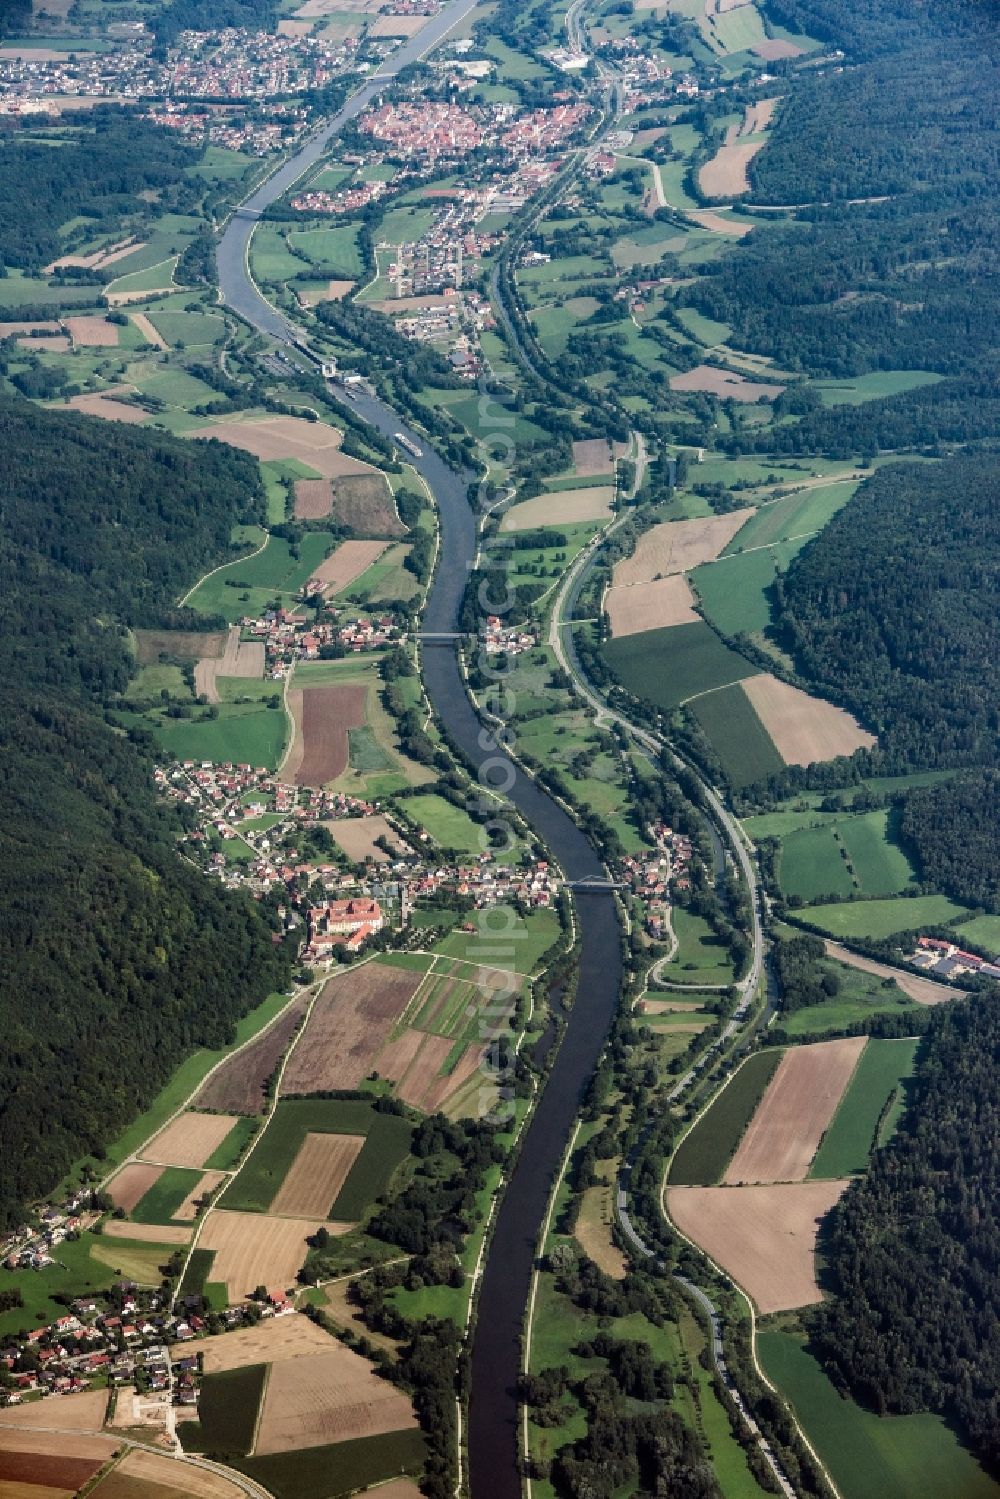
point(891, 259)
point(96, 173)
point(891, 611)
point(119, 959)
point(912, 1247)
point(952, 831)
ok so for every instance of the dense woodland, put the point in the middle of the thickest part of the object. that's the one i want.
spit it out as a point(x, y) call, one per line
point(892, 260)
point(912, 1248)
point(97, 173)
point(892, 611)
point(952, 831)
point(118, 958)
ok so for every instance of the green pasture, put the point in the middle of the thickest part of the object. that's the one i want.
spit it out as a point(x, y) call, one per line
point(188, 328)
point(983, 930)
point(873, 387)
point(882, 1070)
point(247, 585)
point(245, 733)
point(869, 1456)
point(670, 665)
point(330, 250)
point(737, 735)
point(165, 1196)
point(700, 958)
point(734, 592)
point(495, 944)
point(795, 515)
point(387, 1140)
point(883, 918)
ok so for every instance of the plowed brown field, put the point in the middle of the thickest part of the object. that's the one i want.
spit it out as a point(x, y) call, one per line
point(239, 1083)
point(131, 1184)
point(764, 1237)
point(323, 716)
point(591, 456)
point(724, 382)
point(329, 1397)
point(320, 1169)
point(791, 1119)
point(349, 1022)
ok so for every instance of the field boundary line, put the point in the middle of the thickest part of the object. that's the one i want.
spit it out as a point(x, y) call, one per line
point(260, 1408)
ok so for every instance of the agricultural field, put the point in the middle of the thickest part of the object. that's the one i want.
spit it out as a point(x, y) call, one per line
point(762, 1236)
point(805, 729)
point(349, 1023)
point(190, 1140)
point(635, 608)
point(874, 387)
point(375, 765)
point(239, 1084)
point(679, 546)
point(323, 719)
point(342, 1468)
point(795, 516)
point(700, 958)
point(322, 1397)
point(153, 1475)
point(590, 503)
point(884, 918)
point(49, 1465)
point(255, 1249)
point(842, 857)
point(249, 585)
point(869, 1456)
point(880, 1077)
point(706, 1150)
point(737, 735)
point(670, 666)
point(794, 1114)
point(923, 991)
point(253, 732)
point(387, 1138)
point(449, 826)
point(228, 1404)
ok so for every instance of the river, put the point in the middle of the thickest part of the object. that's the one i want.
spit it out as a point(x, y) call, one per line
point(496, 1349)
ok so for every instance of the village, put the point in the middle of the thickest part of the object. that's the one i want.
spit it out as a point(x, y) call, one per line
point(653, 877)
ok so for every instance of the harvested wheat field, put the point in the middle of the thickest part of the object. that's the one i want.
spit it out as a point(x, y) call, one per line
point(758, 116)
point(240, 658)
point(804, 729)
point(397, 25)
point(149, 333)
point(593, 1224)
point(52, 343)
point(16, 1437)
point(676, 546)
point(764, 1237)
point(126, 298)
point(98, 259)
point(270, 1342)
point(82, 1412)
point(725, 176)
point(190, 1139)
point(356, 836)
point(328, 1397)
point(772, 50)
point(922, 990)
point(145, 1233)
point(314, 1180)
point(320, 747)
point(8, 329)
point(361, 502)
point(22, 1489)
point(592, 455)
point(795, 1112)
point(650, 606)
point(335, 291)
point(270, 437)
point(561, 507)
point(349, 1023)
point(347, 562)
point(254, 1249)
point(104, 404)
point(716, 224)
point(131, 1184)
point(154, 1475)
point(92, 332)
point(723, 383)
point(38, 1464)
point(208, 1182)
point(238, 1085)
